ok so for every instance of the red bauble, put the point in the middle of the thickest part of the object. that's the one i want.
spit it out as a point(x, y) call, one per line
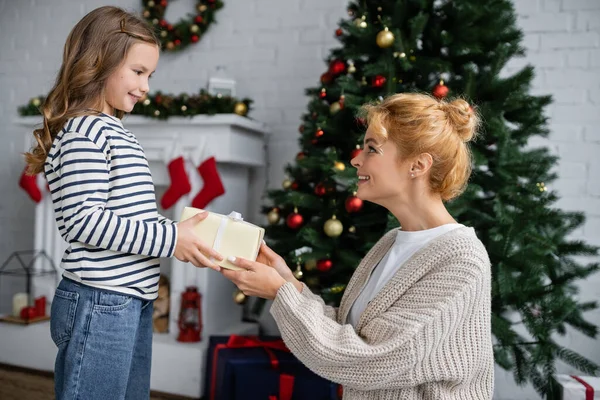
point(320, 189)
point(440, 90)
point(294, 220)
point(158, 99)
point(195, 38)
point(326, 78)
point(301, 129)
point(342, 101)
point(323, 94)
point(353, 204)
point(163, 23)
point(300, 155)
point(314, 142)
point(324, 265)
point(337, 67)
point(339, 32)
point(198, 19)
point(378, 81)
point(177, 42)
point(295, 185)
point(163, 3)
point(319, 133)
point(355, 152)
point(169, 27)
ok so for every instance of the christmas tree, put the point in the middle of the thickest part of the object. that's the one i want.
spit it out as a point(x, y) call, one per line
point(447, 48)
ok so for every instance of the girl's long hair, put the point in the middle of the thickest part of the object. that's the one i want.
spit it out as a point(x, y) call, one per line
point(95, 48)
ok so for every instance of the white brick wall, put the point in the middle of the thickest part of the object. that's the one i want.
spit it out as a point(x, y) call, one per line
point(275, 48)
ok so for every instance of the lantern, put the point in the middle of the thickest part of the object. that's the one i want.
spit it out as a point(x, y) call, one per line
point(190, 316)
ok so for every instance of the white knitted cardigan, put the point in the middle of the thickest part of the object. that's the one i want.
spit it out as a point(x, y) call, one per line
point(425, 335)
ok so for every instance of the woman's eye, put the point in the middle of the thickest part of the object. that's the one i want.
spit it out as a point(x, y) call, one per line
point(372, 149)
point(137, 72)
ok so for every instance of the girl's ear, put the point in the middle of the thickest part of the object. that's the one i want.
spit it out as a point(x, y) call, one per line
point(421, 164)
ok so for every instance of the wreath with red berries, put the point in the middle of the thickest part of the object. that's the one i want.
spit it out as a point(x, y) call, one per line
point(174, 37)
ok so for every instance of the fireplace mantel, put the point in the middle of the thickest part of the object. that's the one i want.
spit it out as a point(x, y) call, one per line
point(238, 145)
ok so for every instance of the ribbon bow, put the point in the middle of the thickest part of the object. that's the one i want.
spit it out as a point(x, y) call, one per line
point(286, 382)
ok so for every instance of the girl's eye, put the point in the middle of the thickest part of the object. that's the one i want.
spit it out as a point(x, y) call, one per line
point(137, 72)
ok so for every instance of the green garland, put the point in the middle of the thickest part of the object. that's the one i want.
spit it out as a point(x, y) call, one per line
point(163, 106)
point(186, 31)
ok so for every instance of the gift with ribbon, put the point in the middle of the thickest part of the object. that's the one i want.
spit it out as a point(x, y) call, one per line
point(572, 387)
point(229, 234)
point(248, 367)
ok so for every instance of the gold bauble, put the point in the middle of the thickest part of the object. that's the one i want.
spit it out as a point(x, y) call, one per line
point(170, 45)
point(146, 14)
point(151, 3)
point(163, 33)
point(184, 108)
point(335, 107)
point(360, 22)
point(147, 102)
point(286, 184)
point(273, 216)
point(36, 102)
point(201, 7)
point(194, 28)
point(385, 38)
point(352, 229)
point(240, 108)
point(340, 166)
point(310, 265)
point(157, 113)
point(333, 227)
point(298, 274)
point(239, 297)
point(155, 21)
point(351, 69)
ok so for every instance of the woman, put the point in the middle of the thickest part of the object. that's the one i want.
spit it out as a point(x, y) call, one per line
point(414, 322)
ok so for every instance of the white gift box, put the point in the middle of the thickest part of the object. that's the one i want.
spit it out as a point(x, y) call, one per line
point(579, 387)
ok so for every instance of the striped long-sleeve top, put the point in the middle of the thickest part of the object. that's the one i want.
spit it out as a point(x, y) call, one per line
point(105, 207)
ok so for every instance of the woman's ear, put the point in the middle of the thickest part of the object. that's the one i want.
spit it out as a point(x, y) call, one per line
point(421, 165)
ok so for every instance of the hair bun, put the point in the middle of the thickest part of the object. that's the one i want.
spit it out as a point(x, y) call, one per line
point(463, 118)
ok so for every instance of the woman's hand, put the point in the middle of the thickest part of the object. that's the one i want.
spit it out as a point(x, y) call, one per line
point(255, 278)
point(191, 249)
point(268, 257)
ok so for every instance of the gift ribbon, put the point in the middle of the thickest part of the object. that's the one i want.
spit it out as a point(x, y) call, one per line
point(234, 216)
point(589, 390)
point(286, 382)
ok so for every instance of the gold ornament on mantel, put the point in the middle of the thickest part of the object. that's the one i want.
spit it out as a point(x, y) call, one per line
point(239, 297)
point(273, 216)
point(333, 227)
point(385, 38)
point(240, 108)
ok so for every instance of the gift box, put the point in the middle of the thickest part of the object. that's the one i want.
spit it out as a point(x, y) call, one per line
point(248, 368)
point(229, 234)
point(572, 387)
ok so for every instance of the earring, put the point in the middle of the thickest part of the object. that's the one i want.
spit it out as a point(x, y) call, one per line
point(412, 175)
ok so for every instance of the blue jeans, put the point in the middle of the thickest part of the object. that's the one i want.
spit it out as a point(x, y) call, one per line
point(104, 342)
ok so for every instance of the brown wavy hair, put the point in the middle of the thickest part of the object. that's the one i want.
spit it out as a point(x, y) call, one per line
point(419, 123)
point(95, 48)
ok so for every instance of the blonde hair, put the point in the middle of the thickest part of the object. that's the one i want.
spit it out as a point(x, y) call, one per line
point(95, 48)
point(419, 123)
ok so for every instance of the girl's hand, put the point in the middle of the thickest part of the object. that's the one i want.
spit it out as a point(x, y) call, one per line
point(255, 279)
point(191, 249)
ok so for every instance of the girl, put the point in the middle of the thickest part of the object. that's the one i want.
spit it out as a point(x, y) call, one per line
point(414, 321)
point(105, 208)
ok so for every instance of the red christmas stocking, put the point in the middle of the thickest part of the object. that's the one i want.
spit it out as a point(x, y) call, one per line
point(213, 187)
point(29, 184)
point(180, 183)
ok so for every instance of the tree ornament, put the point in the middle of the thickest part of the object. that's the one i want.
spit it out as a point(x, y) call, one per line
point(340, 166)
point(320, 189)
point(310, 265)
point(36, 102)
point(355, 152)
point(188, 30)
point(334, 108)
point(337, 67)
point(286, 184)
point(239, 297)
point(294, 220)
point(240, 108)
point(360, 22)
point(378, 81)
point(353, 204)
point(385, 38)
point(301, 129)
point(273, 216)
point(294, 185)
point(324, 265)
point(300, 156)
point(323, 93)
point(352, 229)
point(326, 78)
point(351, 67)
point(339, 32)
point(298, 272)
point(342, 101)
point(333, 227)
point(440, 90)
point(319, 133)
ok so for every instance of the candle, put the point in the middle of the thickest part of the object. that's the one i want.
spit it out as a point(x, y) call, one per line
point(20, 300)
point(40, 306)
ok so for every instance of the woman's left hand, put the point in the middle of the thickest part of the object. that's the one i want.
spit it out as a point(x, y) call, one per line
point(255, 279)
